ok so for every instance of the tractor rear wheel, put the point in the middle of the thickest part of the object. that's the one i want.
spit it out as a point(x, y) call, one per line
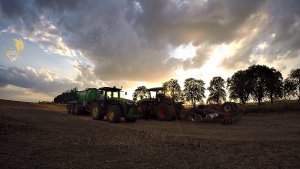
point(164, 112)
point(96, 111)
point(114, 114)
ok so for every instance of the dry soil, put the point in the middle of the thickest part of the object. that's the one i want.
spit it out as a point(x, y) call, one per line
point(45, 136)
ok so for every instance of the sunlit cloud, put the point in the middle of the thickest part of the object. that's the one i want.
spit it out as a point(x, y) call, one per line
point(262, 46)
point(184, 52)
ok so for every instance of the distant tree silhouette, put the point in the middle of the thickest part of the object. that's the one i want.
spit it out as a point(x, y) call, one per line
point(193, 90)
point(217, 90)
point(295, 76)
point(289, 88)
point(239, 86)
point(274, 84)
point(172, 89)
point(140, 93)
point(66, 96)
point(257, 78)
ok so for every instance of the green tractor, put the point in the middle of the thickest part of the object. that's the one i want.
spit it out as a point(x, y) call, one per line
point(160, 106)
point(103, 102)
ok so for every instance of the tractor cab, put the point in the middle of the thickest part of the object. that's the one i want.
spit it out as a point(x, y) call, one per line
point(110, 92)
point(158, 93)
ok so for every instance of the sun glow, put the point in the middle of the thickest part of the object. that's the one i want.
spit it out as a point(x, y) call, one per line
point(211, 67)
point(184, 52)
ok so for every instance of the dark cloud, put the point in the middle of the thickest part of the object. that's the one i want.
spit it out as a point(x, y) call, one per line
point(213, 21)
point(130, 40)
point(42, 81)
point(19, 12)
point(280, 31)
point(285, 23)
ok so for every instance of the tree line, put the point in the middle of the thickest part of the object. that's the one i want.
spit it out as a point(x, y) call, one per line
point(66, 96)
point(257, 83)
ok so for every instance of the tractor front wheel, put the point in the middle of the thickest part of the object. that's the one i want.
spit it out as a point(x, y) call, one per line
point(96, 111)
point(114, 114)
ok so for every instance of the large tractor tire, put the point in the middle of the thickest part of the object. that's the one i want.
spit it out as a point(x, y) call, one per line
point(96, 111)
point(114, 114)
point(164, 112)
point(69, 108)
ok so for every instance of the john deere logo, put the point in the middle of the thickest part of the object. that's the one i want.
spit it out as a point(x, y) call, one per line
point(13, 54)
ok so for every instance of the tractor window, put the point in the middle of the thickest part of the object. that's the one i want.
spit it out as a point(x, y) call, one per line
point(116, 94)
point(111, 94)
point(153, 94)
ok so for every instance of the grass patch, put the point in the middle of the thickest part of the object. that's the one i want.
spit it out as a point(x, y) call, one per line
point(276, 107)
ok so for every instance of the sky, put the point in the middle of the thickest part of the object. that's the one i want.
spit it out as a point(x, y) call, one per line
point(129, 43)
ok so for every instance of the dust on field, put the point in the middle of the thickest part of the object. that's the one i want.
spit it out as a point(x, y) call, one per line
point(45, 136)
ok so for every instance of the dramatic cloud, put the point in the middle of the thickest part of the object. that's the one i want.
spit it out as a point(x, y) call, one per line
point(132, 41)
point(43, 80)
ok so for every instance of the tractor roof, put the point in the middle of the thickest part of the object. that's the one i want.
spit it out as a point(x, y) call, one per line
point(156, 89)
point(114, 89)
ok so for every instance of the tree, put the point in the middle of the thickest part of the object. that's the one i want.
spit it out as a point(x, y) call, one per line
point(289, 88)
point(193, 90)
point(274, 84)
point(172, 89)
point(295, 76)
point(217, 90)
point(140, 93)
point(239, 86)
point(257, 78)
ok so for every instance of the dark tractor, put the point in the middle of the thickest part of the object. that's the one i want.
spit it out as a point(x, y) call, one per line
point(103, 102)
point(159, 106)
